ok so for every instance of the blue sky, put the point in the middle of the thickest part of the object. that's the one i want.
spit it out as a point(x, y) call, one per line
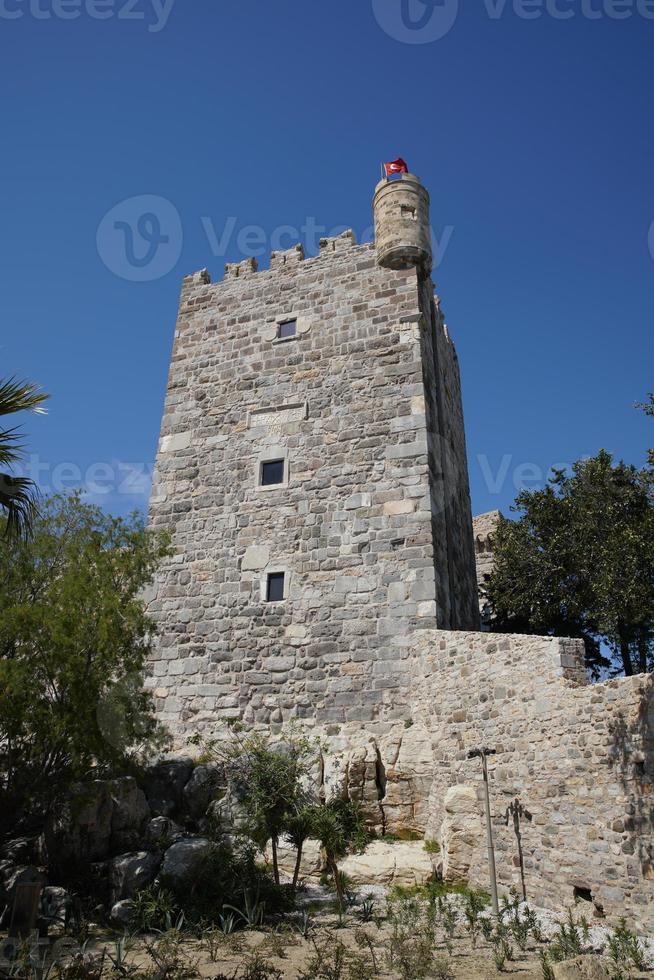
point(531, 128)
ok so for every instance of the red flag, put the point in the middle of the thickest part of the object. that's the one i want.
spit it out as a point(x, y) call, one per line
point(398, 166)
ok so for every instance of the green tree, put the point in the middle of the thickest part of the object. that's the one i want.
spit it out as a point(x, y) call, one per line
point(339, 826)
point(267, 779)
point(579, 561)
point(17, 493)
point(74, 636)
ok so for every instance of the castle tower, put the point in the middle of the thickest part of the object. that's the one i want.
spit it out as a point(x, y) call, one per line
point(312, 471)
point(402, 228)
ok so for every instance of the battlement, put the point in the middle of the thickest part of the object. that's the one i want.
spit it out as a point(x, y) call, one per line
point(286, 261)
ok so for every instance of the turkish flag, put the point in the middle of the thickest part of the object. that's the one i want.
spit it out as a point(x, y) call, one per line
point(398, 166)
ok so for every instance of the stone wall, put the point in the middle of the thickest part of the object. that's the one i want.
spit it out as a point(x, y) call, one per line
point(372, 525)
point(578, 758)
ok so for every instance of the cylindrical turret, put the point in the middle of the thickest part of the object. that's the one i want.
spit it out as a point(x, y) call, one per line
point(402, 230)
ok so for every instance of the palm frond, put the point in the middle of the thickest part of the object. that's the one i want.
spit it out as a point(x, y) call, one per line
point(20, 396)
point(18, 498)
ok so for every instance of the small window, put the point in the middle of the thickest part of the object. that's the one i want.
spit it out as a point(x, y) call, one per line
point(272, 472)
point(287, 329)
point(275, 587)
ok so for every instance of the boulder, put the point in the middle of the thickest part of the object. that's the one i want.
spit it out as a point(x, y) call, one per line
point(401, 863)
point(581, 968)
point(183, 858)
point(80, 830)
point(461, 832)
point(164, 784)
point(130, 873)
point(121, 914)
point(204, 785)
point(55, 906)
point(129, 815)
point(161, 832)
point(311, 866)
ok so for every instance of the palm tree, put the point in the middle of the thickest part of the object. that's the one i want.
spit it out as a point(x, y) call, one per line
point(18, 494)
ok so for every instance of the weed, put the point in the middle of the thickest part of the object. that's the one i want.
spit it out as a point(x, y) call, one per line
point(502, 951)
point(432, 847)
point(304, 925)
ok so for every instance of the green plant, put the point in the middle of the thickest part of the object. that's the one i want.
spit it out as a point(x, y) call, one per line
point(338, 826)
point(18, 494)
point(449, 922)
point(625, 949)
point(502, 952)
point(170, 958)
point(410, 948)
point(473, 908)
point(304, 924)
point(252, 913)
point(546, 966)
point(567, 943)
point(255, 967)
point(432, 847)
point(153, 909)
point(74, 640)
point(366, 912)
point(533, 924)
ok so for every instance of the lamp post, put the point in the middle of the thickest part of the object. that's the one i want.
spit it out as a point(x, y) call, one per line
point(483, 754)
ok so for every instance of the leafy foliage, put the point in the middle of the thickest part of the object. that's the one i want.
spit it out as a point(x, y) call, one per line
point(74, 636)
point(579, 561)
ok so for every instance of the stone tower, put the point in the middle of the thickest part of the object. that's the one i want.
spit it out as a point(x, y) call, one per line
point(312, 470)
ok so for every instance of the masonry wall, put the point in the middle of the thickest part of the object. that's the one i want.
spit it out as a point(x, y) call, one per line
point(358, 529)
point(580, 759)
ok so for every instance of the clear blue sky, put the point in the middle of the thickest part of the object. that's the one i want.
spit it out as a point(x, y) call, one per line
point(534, 137)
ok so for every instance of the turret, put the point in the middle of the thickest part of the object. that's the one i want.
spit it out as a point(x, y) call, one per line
point(402, 229)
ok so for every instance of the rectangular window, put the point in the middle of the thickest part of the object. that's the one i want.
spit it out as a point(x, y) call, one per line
point(275, 587)
point(287, 329)
point(272, 472)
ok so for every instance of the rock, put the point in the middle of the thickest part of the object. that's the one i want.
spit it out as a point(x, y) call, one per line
point(311, 866)
point(22, 850)
point(130, 873)
point(202, 788)
point(164, 784)
point(161, 832)
point(182, 858)
point(121, 914)
point(55, 906)
point(460, 833)
point(81, 828)
point(407, 772)
point(402, 863)
point(130, 813)
point(581, 968)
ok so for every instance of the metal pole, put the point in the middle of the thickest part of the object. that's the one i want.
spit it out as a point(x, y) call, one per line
point(489, 837)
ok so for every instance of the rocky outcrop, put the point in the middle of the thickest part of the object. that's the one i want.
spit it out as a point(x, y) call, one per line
point(204, 785)
point(460, 833)
point(164, 785)
point(402, 863)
